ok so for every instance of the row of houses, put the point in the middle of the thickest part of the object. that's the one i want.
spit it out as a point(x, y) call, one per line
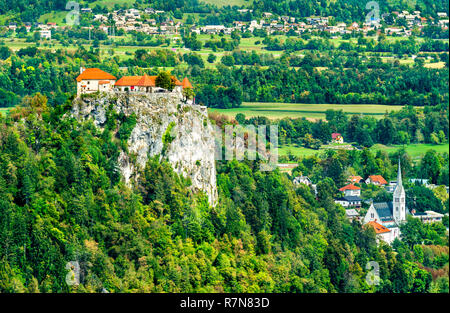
point(138, 20)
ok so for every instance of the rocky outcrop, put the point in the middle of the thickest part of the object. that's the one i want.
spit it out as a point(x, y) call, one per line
point(166, 126)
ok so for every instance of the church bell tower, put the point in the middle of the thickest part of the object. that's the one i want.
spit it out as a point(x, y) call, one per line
point(399, 204)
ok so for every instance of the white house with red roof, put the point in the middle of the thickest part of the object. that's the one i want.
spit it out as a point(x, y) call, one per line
point(351, 190)
point(337, 138)
point(377, 180)
point(382, 233)
point(94, 80)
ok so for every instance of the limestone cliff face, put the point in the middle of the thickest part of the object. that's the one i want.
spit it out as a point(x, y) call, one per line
point(165, 125)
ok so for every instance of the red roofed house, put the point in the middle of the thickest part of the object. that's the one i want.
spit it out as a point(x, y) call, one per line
point(93, 80)
point(383, 233)
point(355, 179)
point(376, 180)
point(351, 190)
point(337, 138)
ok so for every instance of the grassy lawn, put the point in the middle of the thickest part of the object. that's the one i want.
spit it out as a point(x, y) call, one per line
point(414, 150)
point(58, 17)
point(296, 110)
point(108, 3)
point(222, 3)
point(296, 150)
point(435, 65)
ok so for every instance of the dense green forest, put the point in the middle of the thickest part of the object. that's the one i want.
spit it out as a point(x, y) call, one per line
point(408, 125)
point(62, 199)
point(346, 79)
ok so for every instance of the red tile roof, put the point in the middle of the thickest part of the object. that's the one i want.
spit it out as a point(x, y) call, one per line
point(355, 179)
point(378, 179)
point(144, 81)
point(186, 83)
point(335, 135)
point(128, 81)
point(94, 73)
point(147, 81)
point(177, 82)
point(349, 187)
point(379, 229)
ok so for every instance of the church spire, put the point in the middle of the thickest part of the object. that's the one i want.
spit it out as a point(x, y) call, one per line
point(399, 174)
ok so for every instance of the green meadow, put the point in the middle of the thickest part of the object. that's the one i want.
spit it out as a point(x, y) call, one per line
point(296, 150)
point(299, 110)
point(414, 150)
point(222, 3)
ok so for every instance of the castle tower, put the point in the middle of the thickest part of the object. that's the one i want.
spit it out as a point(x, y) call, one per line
point(399, 204)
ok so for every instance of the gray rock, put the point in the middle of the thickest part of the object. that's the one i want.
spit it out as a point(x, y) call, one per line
point(191, 150)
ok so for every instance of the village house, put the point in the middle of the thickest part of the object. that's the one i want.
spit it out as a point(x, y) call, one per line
point(356, 179)
point(46, 34)
point(391, 186)
point(349, 201)
point(427, 216)
point(212, 29)
point(337, 138)
point(302, 180)
point(94, 80)
point(377, 180)
point(352, 214)
point(351, 190)
point(382, 233)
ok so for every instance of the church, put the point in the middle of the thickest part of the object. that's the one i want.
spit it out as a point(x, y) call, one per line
point(386, 217)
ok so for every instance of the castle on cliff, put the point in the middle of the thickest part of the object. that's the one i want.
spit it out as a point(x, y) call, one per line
point(93, 80)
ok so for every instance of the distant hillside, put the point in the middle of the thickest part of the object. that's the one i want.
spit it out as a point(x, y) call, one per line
point(31, 10)
point(346, 9)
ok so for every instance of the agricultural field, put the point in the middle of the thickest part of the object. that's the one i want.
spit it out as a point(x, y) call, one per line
point(414, 150)
point(284, 150)
point(58, 17)
point(126, 51)
point(109, 3)
point(309, 111)
point(222, 3)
